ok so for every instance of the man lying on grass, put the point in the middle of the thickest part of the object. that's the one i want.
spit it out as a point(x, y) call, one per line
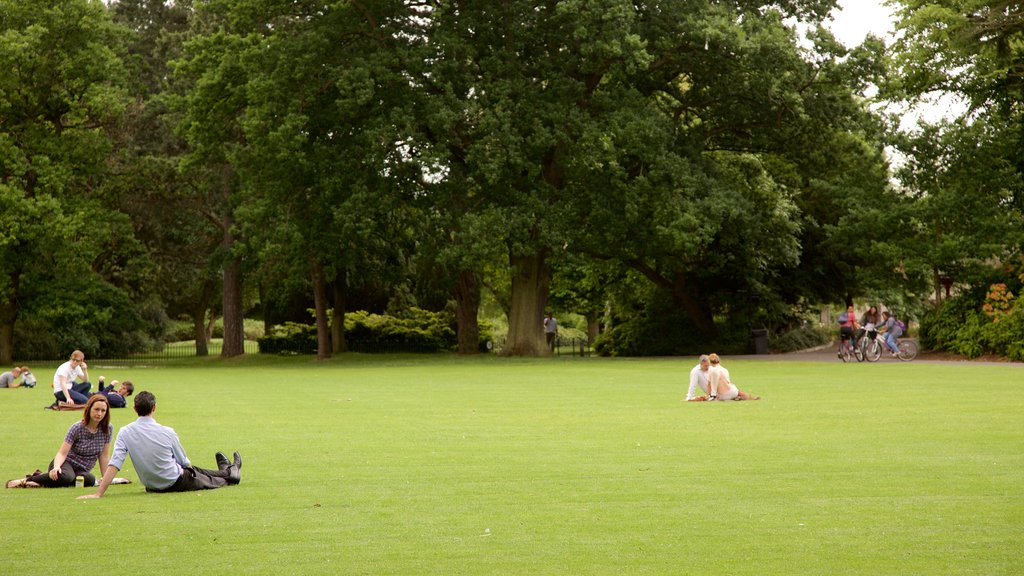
point(159, 459)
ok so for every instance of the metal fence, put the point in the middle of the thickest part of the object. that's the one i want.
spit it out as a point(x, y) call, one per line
point(572, 347)
point(167, 352)
point(182, 350)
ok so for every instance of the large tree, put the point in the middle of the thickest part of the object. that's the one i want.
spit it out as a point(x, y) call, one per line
point(60, 95)
point(670, 137)
point(967, 174)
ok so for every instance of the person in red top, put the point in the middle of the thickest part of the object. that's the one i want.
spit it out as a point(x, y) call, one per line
point(847, 326)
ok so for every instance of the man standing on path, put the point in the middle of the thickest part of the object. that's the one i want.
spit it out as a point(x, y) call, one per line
point(159, 459)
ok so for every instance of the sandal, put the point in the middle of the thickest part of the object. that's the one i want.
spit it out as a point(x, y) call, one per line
point(17, 483)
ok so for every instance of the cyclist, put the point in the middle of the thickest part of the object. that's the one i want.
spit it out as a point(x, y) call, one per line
point(847, 324)
point(892, 332)
point(868, 323)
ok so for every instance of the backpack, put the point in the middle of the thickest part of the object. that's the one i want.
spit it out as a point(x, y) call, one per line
point(901, 326)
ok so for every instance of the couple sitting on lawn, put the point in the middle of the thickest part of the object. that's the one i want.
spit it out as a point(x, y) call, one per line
point(155, 450)
point(711, 378)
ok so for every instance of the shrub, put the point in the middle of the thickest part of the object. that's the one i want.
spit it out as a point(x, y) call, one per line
point(289, 338)
point(802, 338)
point(985, 320)
point(416, 331)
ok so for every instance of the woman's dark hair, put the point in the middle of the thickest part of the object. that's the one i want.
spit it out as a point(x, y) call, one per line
point(145, 402)
point(102, 425)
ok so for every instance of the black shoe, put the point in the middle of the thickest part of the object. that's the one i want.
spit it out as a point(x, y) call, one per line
point(235, 470)
point(222, 461)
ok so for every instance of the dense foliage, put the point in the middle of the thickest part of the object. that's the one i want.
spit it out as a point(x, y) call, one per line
point(415, 331)
point(677, 173)
point(979, 322)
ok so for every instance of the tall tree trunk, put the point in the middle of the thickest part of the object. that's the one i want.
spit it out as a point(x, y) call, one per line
point(323, 335)
point(234, 324)
point(234, 321)
point(8, 316)
point(593, 327)
point(211, 324)
point(467, 306)
point(530, 279)
point(199, 333)
point(338, 312)
point(6, 343)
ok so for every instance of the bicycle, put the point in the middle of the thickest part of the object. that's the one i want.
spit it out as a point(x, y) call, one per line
point(848, 349)
point(871, 348)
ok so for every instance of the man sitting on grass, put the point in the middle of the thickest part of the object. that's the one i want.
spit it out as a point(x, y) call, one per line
point(159, 459)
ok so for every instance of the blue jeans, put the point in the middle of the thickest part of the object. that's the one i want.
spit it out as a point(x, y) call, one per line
point(891, 341)
point(79, 392)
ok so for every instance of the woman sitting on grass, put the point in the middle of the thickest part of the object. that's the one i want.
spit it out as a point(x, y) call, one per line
point(86, 441)
point(720, 386)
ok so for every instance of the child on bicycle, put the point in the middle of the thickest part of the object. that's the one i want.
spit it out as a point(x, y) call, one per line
point(892, 331)
point(847, 325)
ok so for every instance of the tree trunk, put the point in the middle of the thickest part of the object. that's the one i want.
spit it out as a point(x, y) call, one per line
point(8, 316)
point(689, 298)
point(686, 294)
point(6, 344)
point(8, 313)
point(530, 279)
point(234, 321)
point(199, 333)
point(323, 335)
point(467, 305)
point(338, 312)
point(211, 324)
point(593, 327)
point(234, 325)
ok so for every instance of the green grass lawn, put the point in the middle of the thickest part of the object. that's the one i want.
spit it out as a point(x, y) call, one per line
point(443, 465)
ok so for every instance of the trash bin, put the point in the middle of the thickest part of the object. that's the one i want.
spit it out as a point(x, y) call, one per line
point(760, 340)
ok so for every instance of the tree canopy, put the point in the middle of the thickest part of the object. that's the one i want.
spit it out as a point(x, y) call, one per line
point(686, 170)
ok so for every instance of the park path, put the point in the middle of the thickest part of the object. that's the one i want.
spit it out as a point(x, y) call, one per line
point(828, 354)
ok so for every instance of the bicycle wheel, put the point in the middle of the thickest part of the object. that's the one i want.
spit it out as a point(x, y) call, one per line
point(873, 351)
point(844, 354)
point(858, 349)
point(908, 350)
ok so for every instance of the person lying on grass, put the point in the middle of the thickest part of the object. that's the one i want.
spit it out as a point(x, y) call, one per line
point(116, 398)
point(86, 442)
point(720, 387)
point(159, 459)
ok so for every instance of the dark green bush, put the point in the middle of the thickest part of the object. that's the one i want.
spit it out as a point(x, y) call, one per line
point(289, 338)
point(961, 326)
point(660, 328)
point(803, 338)
point(415, 331)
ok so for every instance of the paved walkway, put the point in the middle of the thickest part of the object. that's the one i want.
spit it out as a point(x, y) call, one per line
point(828, 354)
